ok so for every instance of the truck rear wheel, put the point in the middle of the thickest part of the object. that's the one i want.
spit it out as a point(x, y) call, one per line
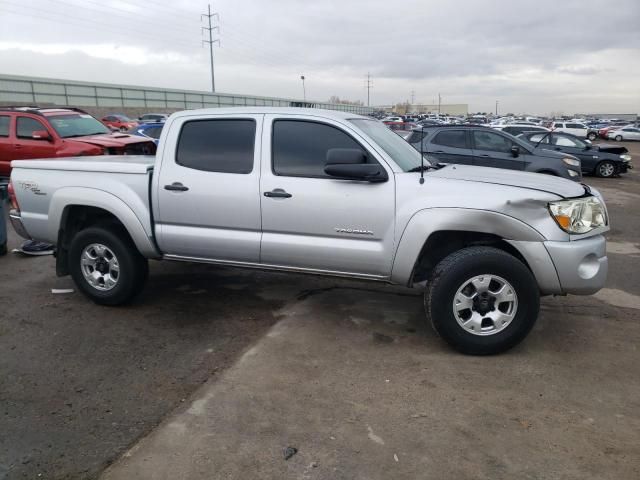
point(106, 265)
point(482, 300)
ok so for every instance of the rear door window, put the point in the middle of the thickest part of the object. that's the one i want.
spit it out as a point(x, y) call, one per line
point(4, 125)
point(451, 138)
point(224, 146)
point(492, 142)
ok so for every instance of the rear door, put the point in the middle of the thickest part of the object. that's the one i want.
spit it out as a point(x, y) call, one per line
point(207, 189)
point(577, 129)
point(450, 145)
point(311, 221)
point(492, 149)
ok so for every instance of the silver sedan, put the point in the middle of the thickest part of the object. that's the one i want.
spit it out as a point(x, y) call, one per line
point(624, 133)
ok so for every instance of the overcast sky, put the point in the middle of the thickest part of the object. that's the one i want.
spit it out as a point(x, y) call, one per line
point(533, 56)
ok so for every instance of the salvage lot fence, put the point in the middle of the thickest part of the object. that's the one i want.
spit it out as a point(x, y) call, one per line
point(22, 90)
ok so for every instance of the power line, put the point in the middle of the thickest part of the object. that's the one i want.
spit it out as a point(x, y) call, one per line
point(211, 41)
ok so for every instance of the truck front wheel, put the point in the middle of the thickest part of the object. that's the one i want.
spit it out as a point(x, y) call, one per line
point(482, 300)
point(106, 266)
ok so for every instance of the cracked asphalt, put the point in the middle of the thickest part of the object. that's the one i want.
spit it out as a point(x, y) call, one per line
point(213, 372)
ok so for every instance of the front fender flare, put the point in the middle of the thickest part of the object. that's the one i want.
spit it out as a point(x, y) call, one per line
point(428, 221)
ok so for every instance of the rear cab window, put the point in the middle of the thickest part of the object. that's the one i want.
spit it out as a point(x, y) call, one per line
point(217, 145)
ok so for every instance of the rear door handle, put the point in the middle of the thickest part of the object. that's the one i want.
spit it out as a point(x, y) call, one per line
point(176, 187)
point(277, 193)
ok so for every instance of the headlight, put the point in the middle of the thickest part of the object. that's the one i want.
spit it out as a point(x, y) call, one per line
point(572, 173)
point(571, 161)
point(579, 215)
point(625, 157)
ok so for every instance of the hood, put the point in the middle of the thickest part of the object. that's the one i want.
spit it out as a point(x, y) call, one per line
point(109, 140)
point(615, 149)
point(513, 178)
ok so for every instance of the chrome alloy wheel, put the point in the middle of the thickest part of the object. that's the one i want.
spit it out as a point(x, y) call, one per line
point(99, 267)
point(606, 169)
point(485, 305)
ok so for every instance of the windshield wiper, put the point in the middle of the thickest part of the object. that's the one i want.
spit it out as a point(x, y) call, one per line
point(424, 168)
point(84, 134)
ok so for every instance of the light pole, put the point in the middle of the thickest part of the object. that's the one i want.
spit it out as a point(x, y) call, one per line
point(304, 93)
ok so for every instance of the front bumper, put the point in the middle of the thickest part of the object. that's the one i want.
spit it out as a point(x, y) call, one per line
point(581, 265)
point(16, 221)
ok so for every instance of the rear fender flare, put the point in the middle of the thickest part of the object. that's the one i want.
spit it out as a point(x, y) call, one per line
point(90, 197)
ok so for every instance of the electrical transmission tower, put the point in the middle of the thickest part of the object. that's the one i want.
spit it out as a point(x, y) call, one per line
point(368, 85)
point(211, 41)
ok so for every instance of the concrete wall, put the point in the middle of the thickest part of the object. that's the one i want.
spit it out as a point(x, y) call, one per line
point(102, 98)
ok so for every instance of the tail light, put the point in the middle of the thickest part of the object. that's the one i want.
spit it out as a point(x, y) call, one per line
point(12, 197)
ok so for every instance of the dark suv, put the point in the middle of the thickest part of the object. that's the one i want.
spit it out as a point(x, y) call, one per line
point(486, 147)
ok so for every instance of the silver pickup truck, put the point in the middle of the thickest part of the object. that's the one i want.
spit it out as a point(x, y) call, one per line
point(322, 192)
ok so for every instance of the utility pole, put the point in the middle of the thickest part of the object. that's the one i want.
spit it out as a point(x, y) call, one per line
point(304, 92)
point(439, 102)
point(496, 108)
point(413, 96)
point(368, 85)
point(211, 41)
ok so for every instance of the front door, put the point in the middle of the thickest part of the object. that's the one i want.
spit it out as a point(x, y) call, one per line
point(450, 146)
point(207, 189)
point(491, 149)
point(26, 146)
point(311, 221)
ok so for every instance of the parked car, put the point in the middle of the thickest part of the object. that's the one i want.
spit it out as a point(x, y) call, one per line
point(148, 130)
point(577, 129)
point(119, 122)
point(30, 132)
point(334, 194)
point(153, 117)
point(601, 160)
point(486, 147)
point(517, 129)
point(624, 133)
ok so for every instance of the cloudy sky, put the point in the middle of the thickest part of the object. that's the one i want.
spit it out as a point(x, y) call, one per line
point(533, 56)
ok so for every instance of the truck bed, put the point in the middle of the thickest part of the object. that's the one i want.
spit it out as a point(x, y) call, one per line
point(116, 184)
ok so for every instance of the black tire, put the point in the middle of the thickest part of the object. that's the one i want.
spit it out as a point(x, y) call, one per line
point(3, 249)
point(456, 269)
point(618, 138)
point(592, 136)
point(606, 169)
point(133, 267)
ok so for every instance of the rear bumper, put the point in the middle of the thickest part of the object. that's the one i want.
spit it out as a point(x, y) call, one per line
point(16, 221)
point(581, 265)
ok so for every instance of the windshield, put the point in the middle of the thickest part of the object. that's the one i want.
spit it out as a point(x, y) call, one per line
point(76, 125)
point(405, 156)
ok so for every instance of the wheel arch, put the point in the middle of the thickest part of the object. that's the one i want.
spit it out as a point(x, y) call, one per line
point(432, 234)
point(72, 211)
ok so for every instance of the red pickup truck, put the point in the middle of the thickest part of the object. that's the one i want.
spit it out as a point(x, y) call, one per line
point(28, 132)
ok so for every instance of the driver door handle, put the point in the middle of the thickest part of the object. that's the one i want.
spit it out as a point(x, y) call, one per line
point(176, 187)
point(277, 193)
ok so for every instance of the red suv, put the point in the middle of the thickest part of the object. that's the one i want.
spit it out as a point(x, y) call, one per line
point(28, 132)
point(119, 122)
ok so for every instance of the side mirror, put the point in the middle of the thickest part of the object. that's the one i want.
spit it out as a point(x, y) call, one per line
point(515, 150)
point(368, 172)
point(41, 135)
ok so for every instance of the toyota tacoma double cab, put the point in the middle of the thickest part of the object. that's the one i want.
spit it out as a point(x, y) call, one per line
point(321, 192)
point(31, 132)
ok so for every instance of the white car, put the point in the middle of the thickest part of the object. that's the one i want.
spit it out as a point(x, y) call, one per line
point(577, 129)
point(624, 133)
point(393, 119)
